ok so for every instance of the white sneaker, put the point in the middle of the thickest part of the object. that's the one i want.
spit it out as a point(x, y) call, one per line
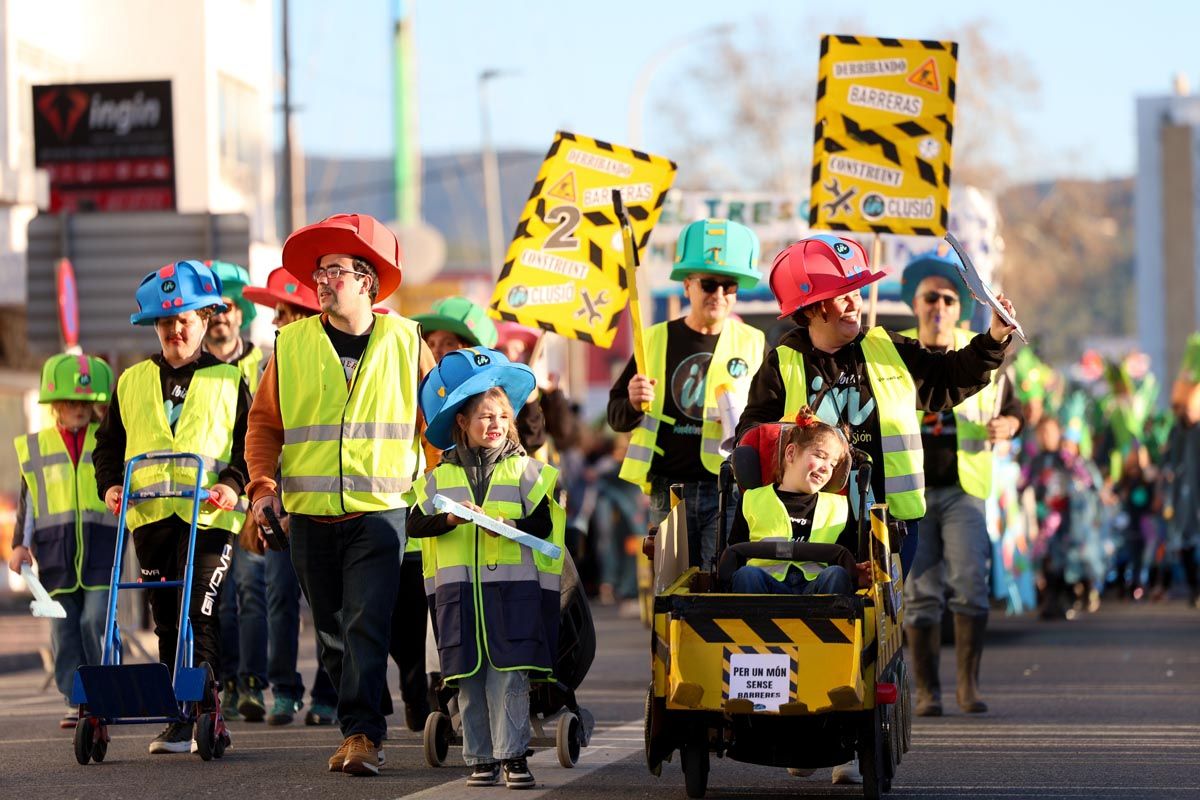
point(847, 774)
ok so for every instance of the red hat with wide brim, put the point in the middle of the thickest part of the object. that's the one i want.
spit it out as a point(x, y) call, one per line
point(358, 235)
point(819, 268)
point(283, 287)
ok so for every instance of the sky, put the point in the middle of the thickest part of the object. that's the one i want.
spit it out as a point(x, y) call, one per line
point(573, 66)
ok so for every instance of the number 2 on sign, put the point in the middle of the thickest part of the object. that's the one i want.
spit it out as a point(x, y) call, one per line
point(563, 236)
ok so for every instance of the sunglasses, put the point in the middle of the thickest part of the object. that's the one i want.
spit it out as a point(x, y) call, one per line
point(710, 286)
point(932, 298)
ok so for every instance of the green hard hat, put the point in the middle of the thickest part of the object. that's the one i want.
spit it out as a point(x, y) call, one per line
point(234, 279)
point(718, 247)
point(71, 377)
point(464, 319)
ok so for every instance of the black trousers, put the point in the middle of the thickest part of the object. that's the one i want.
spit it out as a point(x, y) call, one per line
point(409, 623)
point(161, 549)
point(349, 572)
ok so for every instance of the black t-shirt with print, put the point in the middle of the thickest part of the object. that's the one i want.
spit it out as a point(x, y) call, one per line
point(348, 346)
point(688, 356)
point(801, 510)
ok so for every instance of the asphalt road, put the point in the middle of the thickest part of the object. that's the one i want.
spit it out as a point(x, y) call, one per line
point(1104, 707)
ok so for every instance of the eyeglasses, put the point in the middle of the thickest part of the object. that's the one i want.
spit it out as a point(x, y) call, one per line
point(710, 286)
point(333, 273)
point(931, 298)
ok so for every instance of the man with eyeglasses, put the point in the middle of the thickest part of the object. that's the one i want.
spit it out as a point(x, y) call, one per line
point(870, 381)
point(953, 548)
point(696, 364)
point(336, 411)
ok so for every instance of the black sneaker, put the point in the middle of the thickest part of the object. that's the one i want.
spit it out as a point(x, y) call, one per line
point(175, 738)
point(485, 774)
point(517, 774)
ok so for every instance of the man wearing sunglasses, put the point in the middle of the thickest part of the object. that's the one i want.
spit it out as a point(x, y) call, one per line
point(696, 363)
point(953, 547)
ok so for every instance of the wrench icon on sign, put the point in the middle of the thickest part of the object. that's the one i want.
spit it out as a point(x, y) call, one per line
point(591, 305)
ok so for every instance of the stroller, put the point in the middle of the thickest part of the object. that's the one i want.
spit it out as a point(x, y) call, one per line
point(550, 702)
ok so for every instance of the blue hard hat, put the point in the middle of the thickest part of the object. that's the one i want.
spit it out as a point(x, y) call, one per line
point(462, 374)
point(944, 266)
point(175, 288)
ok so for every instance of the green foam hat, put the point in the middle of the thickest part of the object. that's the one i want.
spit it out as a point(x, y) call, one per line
point(718, 247)
point(76, 377)
point(234, 279)
point(466, 320)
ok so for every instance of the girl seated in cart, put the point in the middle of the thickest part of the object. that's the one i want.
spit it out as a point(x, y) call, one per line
point(812, 456)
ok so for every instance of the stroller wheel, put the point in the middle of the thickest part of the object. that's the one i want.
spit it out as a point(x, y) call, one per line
point(85, 733)
point(567, 740)
point(437, 737)
point(100, 746)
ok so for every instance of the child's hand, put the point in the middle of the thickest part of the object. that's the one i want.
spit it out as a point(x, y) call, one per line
point(112, 499)
point(456, 520)
point(20, 555)
point(222, 497)
point(863, 573)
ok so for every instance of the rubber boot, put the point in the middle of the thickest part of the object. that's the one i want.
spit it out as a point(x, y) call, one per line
point(926, 646)
point(968, 647)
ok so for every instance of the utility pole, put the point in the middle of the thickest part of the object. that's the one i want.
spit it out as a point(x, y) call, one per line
point(491, 175)
point(289, 197)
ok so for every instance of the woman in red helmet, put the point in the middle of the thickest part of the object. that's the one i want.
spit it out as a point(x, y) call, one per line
point(872, 381)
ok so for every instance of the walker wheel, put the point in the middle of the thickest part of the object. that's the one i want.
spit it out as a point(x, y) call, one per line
point(206, 736)
point(438, 732)
point(85, 734)
point(567, 740)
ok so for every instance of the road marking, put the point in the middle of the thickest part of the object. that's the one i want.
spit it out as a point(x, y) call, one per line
point(550, 776)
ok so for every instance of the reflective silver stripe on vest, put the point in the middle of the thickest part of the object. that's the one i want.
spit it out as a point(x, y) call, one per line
point(638, 453)
point(711, 446)
point(500, 493)
point(529, 478)
point(332, 484)
point(508, 573)
point(34, 466)
point(446, 576)
point(900, 442)
point(402, 431)
point(649, 423)
point(973, 445)
point(68, 518)
point(895, 484)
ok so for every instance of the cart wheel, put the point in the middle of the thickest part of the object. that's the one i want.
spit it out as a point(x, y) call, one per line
point(906, 712)
point(694, 758)
point(205, 734)
point(566, 739)
point(654, 764)
point(100, 744)
point(437, 738)
point(896, 747)
point(85, 733)
point(872, 754)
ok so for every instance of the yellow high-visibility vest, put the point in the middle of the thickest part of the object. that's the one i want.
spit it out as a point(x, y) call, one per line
point(347, 448)
point(768, 521)
point(895, 395)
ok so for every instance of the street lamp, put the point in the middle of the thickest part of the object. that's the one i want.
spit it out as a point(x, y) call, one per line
point(491, 172)
point(637, 97)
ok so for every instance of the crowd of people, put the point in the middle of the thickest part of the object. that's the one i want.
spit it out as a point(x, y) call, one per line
point(359, 419)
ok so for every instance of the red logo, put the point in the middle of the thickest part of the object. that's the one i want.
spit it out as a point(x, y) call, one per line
point(63, 110)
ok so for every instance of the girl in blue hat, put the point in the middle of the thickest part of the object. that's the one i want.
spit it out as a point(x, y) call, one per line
point(495, 602)
point(181, 399)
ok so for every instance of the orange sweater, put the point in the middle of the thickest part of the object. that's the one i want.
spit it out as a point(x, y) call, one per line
point(264, 431)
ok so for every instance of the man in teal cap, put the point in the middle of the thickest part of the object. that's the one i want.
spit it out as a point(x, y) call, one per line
point(224, 338)
point(953, 548)
point(698, 365)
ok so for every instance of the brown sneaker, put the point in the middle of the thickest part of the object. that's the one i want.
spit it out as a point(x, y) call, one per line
point(339, 758)
point(362, 756)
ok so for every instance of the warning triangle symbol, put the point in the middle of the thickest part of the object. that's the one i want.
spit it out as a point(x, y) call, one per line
point(926, 76)
point(565, 188)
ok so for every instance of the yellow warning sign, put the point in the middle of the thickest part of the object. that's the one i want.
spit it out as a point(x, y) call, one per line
point(564, 189)
point(926, 77)
point(564, 269)
point(883, 134)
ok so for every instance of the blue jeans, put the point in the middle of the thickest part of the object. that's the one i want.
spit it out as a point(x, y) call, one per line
point(702, 504)
point(350, 571)
point(76, 639)
point(495, 714)
point(953, 550)
point(283, 627)
point(243, 613)
point(756, 580)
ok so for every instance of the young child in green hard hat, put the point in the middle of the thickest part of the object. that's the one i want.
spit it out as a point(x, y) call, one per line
point(62, 526)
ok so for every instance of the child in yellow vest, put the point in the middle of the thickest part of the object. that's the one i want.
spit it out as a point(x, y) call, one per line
point(495, 602)
point(813, 455)
point(181, 399)
point(60, 520)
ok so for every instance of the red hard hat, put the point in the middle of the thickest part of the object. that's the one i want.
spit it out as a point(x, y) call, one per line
point(357, 235)
point(283, 287)
point(818, 268)
point(512, 330)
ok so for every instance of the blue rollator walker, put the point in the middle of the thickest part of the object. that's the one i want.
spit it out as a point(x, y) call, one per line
point(133, 694)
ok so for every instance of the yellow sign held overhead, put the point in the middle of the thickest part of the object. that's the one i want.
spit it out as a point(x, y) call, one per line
point(564, 270)
point(883, 135)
